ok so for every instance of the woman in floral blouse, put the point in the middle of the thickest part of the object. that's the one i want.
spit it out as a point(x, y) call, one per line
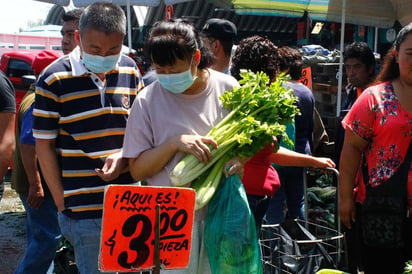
point(379, 125)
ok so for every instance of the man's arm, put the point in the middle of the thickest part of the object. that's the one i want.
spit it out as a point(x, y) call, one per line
point(7, 142)
point(29, 159)
point(46, 153)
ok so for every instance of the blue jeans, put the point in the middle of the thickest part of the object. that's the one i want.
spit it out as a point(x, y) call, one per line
point(84, 235)
point(43, 237)
point(291, 193)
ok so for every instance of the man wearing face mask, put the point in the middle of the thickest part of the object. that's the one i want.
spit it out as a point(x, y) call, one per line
point(81, 106)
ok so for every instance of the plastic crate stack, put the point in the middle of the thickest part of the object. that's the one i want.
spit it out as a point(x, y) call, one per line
point(325, 90)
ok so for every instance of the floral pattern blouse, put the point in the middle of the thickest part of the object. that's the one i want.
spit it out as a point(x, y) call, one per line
point(378, 118)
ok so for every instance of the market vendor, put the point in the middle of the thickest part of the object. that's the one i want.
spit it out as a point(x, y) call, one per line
point(359, 62)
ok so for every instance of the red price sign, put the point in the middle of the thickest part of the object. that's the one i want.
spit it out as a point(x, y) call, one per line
point(128, 227)
point(306, 78)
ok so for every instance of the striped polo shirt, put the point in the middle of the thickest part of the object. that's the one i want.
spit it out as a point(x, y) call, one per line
point(87, 119)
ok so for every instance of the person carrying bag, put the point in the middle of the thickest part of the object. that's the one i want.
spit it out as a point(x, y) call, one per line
point(379, 125)
point(384, 215)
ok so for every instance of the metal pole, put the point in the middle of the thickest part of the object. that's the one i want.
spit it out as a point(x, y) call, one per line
point(156, 255)
point(342, 42)
point(129, 26)
point(305, 193)
point(375, 47)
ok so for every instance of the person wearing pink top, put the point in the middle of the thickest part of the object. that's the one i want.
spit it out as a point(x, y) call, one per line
point(379, 127)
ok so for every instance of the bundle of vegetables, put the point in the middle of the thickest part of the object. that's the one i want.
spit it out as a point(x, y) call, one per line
point(408, 267)
point(259, 111)
point(321, 198)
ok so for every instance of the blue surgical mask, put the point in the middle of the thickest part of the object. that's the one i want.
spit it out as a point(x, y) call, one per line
point(177, 82)
point(100, 64)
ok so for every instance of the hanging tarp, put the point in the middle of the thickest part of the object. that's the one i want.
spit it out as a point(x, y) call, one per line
point(148, 3)
point(377, 13)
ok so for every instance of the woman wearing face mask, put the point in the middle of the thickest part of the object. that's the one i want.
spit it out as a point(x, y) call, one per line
point(170, 117)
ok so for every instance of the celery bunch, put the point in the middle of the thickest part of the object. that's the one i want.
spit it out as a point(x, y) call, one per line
point(259, 111)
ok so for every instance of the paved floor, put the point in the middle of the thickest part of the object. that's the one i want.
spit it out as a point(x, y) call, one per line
point(12, 231)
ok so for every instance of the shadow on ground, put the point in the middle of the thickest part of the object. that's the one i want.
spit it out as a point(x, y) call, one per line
point(13, 237)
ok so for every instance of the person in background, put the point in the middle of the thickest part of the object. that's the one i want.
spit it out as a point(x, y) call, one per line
point(359, 62)
point(219, 37)
point(171, 116)
point(290, 196)
point(70, 25)
point(79, 139)
point(379, 126)
point(7, 122)
point(43, 231)
point(149, 77)
point(260, 179)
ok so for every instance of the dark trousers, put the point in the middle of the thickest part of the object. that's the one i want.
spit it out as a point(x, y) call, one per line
point(378, 260)
point(258, 205)
point(353, 242)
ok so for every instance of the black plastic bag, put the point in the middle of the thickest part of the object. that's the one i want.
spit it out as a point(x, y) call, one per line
point(297, 250)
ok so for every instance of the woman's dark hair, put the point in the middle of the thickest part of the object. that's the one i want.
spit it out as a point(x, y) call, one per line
point(256, 54)
point(173, 40)
point(290, 61)
point(390, 67)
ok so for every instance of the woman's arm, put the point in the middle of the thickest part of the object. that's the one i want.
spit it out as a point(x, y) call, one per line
point(286, 157)
point(353, 147)
point(152, 161)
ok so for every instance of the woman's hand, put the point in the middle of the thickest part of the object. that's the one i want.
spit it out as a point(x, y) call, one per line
point(347, 212)
point(196, 145)
point(323, 162)
point(234, 166)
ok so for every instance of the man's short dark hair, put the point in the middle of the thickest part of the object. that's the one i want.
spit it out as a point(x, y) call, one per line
point(360, 51)
point(72, 15)
point(104, 17)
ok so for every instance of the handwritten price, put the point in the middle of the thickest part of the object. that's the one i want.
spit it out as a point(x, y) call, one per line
point(128, 242)
point(140, 244)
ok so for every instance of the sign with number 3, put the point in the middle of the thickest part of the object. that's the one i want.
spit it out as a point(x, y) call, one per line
point(128, 227)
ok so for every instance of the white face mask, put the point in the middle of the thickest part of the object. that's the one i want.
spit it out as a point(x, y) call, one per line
point(100, 64)
point(177, 82)
point(97, 63)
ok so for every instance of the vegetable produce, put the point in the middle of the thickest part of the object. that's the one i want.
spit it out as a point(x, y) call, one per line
point(321, 199)
point(259, 111)
point(408, 267)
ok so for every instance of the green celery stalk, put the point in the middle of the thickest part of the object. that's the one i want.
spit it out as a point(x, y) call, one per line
point(206, 187)
point(258, 113)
